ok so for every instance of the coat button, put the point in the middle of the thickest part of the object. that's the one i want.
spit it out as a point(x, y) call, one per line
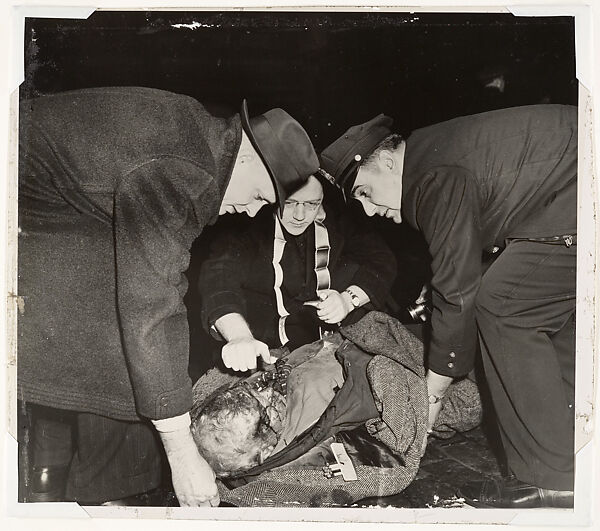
point(452, 355)
point(450, 365)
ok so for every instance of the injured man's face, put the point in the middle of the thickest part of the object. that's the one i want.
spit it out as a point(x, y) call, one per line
point(239, 427)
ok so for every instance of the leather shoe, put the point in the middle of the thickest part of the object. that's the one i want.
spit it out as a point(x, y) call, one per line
point(513, 494)
point(157, 497)
point(48, 483)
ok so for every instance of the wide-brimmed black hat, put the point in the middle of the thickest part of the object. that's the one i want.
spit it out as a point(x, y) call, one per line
point(284, 147)
point(342, 158)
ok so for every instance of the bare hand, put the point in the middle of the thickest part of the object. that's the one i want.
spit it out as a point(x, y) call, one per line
point(434, 411)
point(240, 354)
point(424, 295)
point(437, 384)
point(193, 479)
point(333, 308)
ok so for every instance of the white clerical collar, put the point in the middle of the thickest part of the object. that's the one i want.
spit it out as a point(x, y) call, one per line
point(322, 252)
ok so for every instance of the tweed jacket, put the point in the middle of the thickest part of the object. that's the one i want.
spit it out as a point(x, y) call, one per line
point(388, 385)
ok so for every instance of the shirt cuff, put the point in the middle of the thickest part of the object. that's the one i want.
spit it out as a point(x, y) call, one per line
point(180, 422)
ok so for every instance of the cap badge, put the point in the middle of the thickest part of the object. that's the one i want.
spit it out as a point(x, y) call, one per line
point(327, 176)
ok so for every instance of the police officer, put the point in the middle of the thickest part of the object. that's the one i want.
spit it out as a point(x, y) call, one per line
point(503, 181)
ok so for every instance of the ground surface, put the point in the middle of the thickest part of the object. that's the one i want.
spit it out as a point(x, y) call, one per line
point(447, 464)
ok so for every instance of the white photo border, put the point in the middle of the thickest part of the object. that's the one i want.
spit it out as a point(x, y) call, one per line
point(587, 493)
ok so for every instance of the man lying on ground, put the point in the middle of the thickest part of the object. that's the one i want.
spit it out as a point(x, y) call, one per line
point(364, 387)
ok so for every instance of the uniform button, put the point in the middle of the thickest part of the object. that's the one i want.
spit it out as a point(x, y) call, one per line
point(450, 365)
point(452, 355)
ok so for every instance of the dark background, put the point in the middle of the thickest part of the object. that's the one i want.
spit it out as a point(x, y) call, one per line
point(329, 70)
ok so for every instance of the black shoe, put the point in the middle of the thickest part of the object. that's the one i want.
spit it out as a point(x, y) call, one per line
point(48, 483)
point(513, 494)
point(157, 497)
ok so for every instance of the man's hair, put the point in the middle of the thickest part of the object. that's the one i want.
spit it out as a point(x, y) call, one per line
point(217, 428)
point(389, 143)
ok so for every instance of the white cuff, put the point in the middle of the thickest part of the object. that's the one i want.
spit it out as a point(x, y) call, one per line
point(171, 424)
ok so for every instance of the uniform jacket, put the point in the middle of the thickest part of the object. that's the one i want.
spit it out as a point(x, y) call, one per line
point(114, 186)
point(238, 274)
point(475, 182)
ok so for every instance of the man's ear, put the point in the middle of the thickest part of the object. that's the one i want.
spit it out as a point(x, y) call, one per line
point(246, 153)
point(245, 156)
point(387, 160)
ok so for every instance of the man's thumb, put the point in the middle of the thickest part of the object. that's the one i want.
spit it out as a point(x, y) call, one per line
point(265, 354)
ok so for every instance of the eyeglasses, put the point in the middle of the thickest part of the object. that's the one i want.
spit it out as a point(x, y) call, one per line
point(308, 205)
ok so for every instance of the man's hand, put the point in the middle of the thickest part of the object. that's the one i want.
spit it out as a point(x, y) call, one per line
point(240, 354)
point(434, 411)
point(334, 306)
point(437, 385)
point(193, 479)
point(242, 349)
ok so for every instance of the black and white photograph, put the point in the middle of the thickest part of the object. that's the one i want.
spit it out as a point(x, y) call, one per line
point(299, 259)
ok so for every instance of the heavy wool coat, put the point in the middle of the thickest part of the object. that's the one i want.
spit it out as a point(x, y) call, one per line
point(114, 186)
point(238, 274)
point(472, 184)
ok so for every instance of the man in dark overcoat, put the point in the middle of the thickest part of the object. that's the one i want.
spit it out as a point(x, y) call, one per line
point(292, 275)
point(114, 186)
point(502, 182)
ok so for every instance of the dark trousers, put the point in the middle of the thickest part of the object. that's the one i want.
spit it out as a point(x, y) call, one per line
point(525, 315)
point(107, 459)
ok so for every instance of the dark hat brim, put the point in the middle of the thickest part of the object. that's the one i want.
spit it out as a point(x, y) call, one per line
point(279, 190)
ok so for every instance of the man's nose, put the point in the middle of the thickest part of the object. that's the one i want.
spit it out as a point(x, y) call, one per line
point(253, 208)
point(299, 213)
point(370, 209)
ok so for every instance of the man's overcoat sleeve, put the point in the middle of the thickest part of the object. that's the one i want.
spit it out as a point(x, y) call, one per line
point(159, 207)
point(223, 274)
point(447, 212)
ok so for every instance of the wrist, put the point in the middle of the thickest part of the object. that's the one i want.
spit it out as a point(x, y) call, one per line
point(435, 398)
point(179, 440)
point(240, 336)
point(171, 424)
point(358, 296)
point(347, 300)
point(437, 384)
point(233, 327)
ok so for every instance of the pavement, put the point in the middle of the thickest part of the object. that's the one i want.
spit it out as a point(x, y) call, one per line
point(446, 465)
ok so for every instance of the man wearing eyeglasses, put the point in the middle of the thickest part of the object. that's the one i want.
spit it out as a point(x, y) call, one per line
point(290, 276)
